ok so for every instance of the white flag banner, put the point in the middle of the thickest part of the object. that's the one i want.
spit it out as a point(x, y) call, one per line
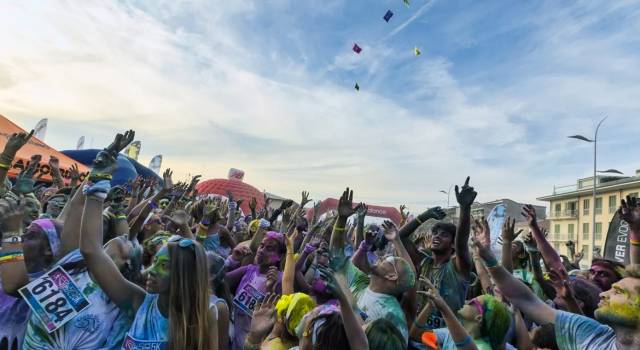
point(40, 131)
point(80, 144)
point(156, 163)
point(496, 219)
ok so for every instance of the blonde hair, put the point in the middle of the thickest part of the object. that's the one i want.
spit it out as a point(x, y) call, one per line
point(189, 298)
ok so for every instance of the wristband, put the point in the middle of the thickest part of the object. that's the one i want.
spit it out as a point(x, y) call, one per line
point(309, 248)
point(5, 166)
point(121, 217)
point(12, 257)
point(339, 229)
point(464, 342)
point(491, 262)
point(634, 242)
point(9, 253)
point(418, 220)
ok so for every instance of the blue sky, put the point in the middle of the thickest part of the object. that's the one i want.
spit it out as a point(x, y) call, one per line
point(267, 86)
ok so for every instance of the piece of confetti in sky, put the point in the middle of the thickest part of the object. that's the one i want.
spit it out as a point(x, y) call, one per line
point(406, 2)
point(357, 87)
point(356, 48)
point(388, 15)
point(416, 50)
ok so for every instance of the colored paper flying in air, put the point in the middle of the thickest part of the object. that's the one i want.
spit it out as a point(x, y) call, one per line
point(416, 50)
point(388, 15)
point(357, 87)
point(356, 48)
point(406, 2)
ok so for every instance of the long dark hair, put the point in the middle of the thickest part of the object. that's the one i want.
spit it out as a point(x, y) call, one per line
point(189, 298)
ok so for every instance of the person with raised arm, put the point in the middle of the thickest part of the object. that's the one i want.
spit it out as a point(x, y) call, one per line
point(617, 315)
point(449, 272)
point(174, 311)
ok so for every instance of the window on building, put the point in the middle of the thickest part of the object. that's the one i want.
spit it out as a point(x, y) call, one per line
point(558, 209)
point(598, 230)
point(585, 250)
point(634, 194)
point(598, 206)
point(570, 231)
point(585, 207)
point(613, 204)
point(572, 209)
point(556, 231)
point(585, 231)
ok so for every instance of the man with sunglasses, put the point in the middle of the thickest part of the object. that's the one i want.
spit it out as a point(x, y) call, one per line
point(605, 272)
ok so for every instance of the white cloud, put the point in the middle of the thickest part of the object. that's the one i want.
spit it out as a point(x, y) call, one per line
point(185, 76)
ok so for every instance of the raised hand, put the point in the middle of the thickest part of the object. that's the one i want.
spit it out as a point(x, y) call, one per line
point(482, 239)
point(630, 212)
point(560, 282)
point(14, 143)
point(167, 184)
point(328, 276)
point(253, 203)
point(432, 294)
point(211, 213)
point(390, 230)
point(54, 163)
point(120, 142)
point(305, 199)
point(25, 181)
point(435, 213)
point(361, 211)
point(194, 182)
point(286, 204)
point(74, 173)
point(345, 204)
point(529, 212)
point(466, 195)
point(263, 318)
point(508, 230)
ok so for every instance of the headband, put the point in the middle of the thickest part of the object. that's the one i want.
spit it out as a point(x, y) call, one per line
point(49, 229)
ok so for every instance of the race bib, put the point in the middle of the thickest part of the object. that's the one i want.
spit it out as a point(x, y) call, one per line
point(247, 299)
point(434, 321)
point(54, 298)
point(131, 343)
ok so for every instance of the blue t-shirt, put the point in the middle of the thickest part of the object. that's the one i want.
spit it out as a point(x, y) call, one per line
point(577, 332)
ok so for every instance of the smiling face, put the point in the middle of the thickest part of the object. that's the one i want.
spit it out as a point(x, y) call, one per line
point(441, 241)
point(158, 280)
point(620, 306)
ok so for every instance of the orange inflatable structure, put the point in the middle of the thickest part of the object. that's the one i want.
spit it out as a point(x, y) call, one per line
point(234, 184)
point(35, 146)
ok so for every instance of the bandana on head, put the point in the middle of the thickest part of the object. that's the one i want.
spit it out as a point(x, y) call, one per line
point(275, 235)
point(49, 229)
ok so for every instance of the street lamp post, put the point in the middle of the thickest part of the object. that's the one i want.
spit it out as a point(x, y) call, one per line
point(595, 147)
point(448, 194)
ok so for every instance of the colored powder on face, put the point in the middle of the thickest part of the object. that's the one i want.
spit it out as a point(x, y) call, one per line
point(273, 259)
point(161, 258)
point(620, 313)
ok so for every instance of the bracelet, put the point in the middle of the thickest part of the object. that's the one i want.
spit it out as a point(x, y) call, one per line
point(5, 166)
point(466, 341)
point(634, 242)
point(121, 217)
point(9, 253)
point(336, 228)
point(418, 220)
point(201, 237)
point(491, 262)
point(12, 258)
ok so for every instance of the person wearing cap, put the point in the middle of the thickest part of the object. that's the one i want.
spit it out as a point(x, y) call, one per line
point(604, 273)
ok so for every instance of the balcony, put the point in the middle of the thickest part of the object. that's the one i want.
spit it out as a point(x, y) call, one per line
point(564, 214)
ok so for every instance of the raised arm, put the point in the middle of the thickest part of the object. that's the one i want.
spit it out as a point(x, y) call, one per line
point(288, 275)
point(72, 214)
point(508, 236)
point(13, 272)
point(54, 165)
point(361, 215)
point(630, 212)
point(104, 271)
point(517, 292)
point(465, 197)
point(458, 333)
point(13, 145)
point(145, 205)
point(336, 244)
point(357, 339)
point(549, 254)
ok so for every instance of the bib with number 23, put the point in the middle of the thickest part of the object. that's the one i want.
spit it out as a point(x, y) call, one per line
point(55, 298)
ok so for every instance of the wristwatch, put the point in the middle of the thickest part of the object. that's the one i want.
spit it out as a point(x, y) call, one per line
point(12, 239)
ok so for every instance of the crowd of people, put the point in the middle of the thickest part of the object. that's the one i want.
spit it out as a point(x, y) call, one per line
point(153, 265)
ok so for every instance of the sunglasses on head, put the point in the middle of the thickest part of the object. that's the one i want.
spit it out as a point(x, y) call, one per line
point(477, 305)
point(182, 242)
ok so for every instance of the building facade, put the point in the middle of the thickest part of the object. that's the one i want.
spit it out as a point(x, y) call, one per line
point(571, 210)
